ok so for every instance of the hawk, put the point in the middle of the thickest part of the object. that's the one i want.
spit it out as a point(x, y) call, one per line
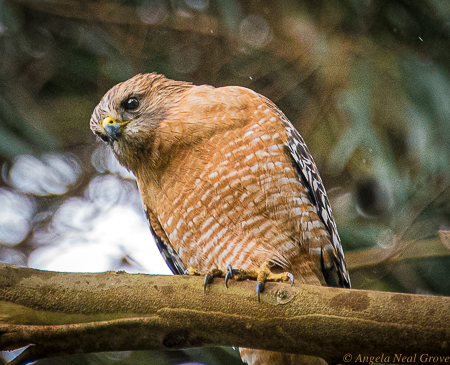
point(226, 181)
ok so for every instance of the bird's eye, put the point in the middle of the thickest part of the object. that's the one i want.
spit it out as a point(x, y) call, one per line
point(130, 103)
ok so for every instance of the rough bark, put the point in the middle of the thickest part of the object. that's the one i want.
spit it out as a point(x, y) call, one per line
point(66, 313)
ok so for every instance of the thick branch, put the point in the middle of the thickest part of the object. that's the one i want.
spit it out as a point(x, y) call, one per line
point(62, 313)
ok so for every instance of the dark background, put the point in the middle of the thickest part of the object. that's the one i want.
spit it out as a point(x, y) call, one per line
point(367, 83)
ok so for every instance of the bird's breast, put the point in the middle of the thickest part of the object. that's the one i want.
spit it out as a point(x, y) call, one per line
point(237, 199)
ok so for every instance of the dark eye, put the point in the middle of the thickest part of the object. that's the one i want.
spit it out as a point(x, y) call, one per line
point(130, 104)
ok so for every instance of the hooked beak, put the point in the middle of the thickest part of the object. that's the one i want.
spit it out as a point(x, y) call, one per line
point(112, 128)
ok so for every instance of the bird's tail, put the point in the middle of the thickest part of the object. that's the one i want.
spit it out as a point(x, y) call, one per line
point(262, 357)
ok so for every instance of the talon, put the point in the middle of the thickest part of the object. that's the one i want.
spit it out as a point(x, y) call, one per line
point(259, 289)
point(228, 275)
point(291, 277)
point(208, 280)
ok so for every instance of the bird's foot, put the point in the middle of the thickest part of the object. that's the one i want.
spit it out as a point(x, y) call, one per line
point(209, 276)
point(265, 274)
point(261, 275)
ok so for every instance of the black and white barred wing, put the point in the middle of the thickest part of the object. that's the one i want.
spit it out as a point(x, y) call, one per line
point(309, 173)
point(168, 253)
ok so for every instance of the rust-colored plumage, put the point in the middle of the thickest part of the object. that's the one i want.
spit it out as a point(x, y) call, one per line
point(225, 179)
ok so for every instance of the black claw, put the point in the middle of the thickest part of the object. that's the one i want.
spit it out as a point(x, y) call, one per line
point(208, 279)
point(290, 276)
point(228, 275)
point(259, 289)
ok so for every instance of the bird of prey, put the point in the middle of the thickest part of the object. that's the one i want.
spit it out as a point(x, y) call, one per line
point(228, 185)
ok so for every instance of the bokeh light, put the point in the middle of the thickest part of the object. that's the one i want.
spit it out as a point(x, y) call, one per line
point(51, 174)
point(153, 11)
point(105, 229)
point(199, 5)
point(104, 161)
point(255, 31)
point(16, 214)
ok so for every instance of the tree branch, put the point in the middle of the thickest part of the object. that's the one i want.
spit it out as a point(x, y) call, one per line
point(66, 313)
point(397, 251)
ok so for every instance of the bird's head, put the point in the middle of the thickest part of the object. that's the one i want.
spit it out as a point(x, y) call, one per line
point(128, 116)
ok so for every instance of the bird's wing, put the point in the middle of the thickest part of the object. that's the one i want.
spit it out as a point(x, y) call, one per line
point(332, 257)
point(309, 174)
point(168, 253)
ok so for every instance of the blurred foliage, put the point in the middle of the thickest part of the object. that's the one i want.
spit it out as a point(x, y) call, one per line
point(367, 83)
